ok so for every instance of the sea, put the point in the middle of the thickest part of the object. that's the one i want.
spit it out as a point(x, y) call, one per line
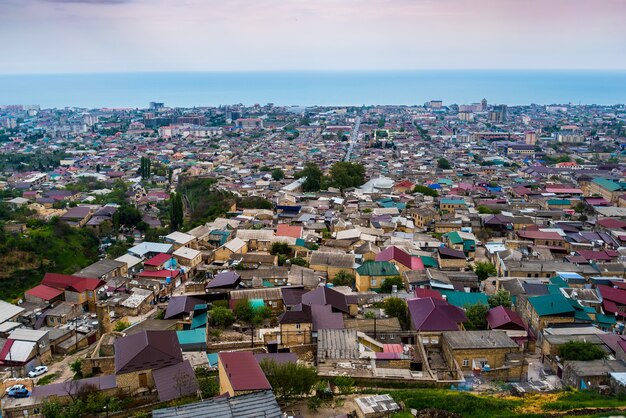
point(308, 88)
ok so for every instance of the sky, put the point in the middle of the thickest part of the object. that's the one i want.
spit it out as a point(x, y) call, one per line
point(85, 36)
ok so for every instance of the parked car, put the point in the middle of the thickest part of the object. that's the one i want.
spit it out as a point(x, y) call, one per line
point(14, 387)
point(19, 393)
point(38, 371)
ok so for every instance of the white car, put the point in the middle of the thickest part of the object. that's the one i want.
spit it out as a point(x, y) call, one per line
point(15, 387)
point(38, 371)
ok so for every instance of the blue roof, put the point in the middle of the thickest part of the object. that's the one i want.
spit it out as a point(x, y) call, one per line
point(192, 336)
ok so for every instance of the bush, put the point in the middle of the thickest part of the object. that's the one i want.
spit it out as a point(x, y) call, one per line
point(221, 317)
point(581, 351)
point(387, 286)
point(343, 278)
point(121, 326)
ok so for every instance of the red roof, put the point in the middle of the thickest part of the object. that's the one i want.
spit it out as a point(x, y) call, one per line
point(243, 371)
point(503, 318)
point(611, 223)
point(554, 236)
point(161, 274)
point(597, 255)
point(614, 295)
point(405, 184)
point(44, 292)
point(393, 348)
point(285, 230)
point(73, 283)
point(402, 257)
point(427, 293)
point(157, 260)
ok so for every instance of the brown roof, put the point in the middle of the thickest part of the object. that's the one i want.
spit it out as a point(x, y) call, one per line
point(243, 371)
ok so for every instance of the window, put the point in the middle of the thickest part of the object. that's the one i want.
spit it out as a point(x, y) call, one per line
point(465, 362)
point(373, 282)
point(297, 326)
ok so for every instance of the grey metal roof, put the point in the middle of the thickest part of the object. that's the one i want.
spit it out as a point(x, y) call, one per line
point(251, 405)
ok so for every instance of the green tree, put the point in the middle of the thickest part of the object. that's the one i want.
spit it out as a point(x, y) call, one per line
point(76, 368)
point(277, 174)
point(313, 177)
point(299, 261)
point(344, 175)
point(244, 311)
point(500, 298)
point(280, 248)
point(121, 326)
point(425, 190)
point(345, 384)
point(289, 380)
point(443, 164)
point(484, 270)
point(176, 211)
point(221, 316)
point(126, 215)
point(581, 351)
point(388, 284)
point(397, 308)
point(476, 316)
point(343, 278)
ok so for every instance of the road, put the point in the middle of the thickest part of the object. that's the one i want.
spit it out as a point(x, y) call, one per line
point(354, 138)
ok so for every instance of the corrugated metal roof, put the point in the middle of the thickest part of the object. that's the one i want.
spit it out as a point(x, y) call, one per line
point(175, 381)
point(251, 405)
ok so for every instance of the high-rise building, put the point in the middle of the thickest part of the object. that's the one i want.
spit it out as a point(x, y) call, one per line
point(483, 105)
point(498, 114)
point(530, 137)
point(156, 105)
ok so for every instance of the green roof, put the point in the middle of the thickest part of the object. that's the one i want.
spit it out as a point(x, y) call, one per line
point(429, 261)
point(558, 281)
point(462, 299)
point(553, 304)
point(192, 336)
point(447, 182)
point(454, 237)
point(607, 184)
point(377, 268)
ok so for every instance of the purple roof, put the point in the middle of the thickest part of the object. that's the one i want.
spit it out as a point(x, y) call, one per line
point(429, 314)
point(292, 296)
point(503, 318)
point(279, 358)
point(179, 305)
point(72, 387)
point(446, 252)
point(324, 318)
point(326, 296)
point(224, 279)
point(175, 381)
point(147, 350)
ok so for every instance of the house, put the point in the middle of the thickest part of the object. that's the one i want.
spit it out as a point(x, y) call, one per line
point(147, 249)
point(423, 217)
point(254, 404)
point(435, 315)
point(180, 239)
point(332, 263)
point(224, 280)
point(503, 319)
point(286, 230)
point(62, 314)
point(25, 349)
point(256, 239)
point(296, 326)
point(449, 258)
point(401, 259)
point(491, 354)
point(151, 360)
point(550, 239)
point(159, 262)
point(323, 295)
point(180, 306)
point(77, 290)
point(461, 241)
point(9, 312)
point(77, 216)
point(451, 205)
point(188, 257)
point(542, 311)
point(588, 375)
point(371, 274)
point(104, 270)
point(239, 374)
point(226, 251)
point(613, 301)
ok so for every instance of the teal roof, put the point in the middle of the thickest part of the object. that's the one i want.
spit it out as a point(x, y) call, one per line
point(377, 268)
point(462, 299)
point(607, 184)
point(606, 320)
point(454, 237)
point(558, 202)
point(267, 284)
point(213, 359)
point(553, 304)
point(447, 182)
point(429, 261)
point(300, 242)
point(192, 336)
point(257, 303)
point(558, 280)
point(199, 320)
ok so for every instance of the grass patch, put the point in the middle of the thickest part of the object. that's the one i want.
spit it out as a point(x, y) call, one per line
point(49, 378)
point(584, 399)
